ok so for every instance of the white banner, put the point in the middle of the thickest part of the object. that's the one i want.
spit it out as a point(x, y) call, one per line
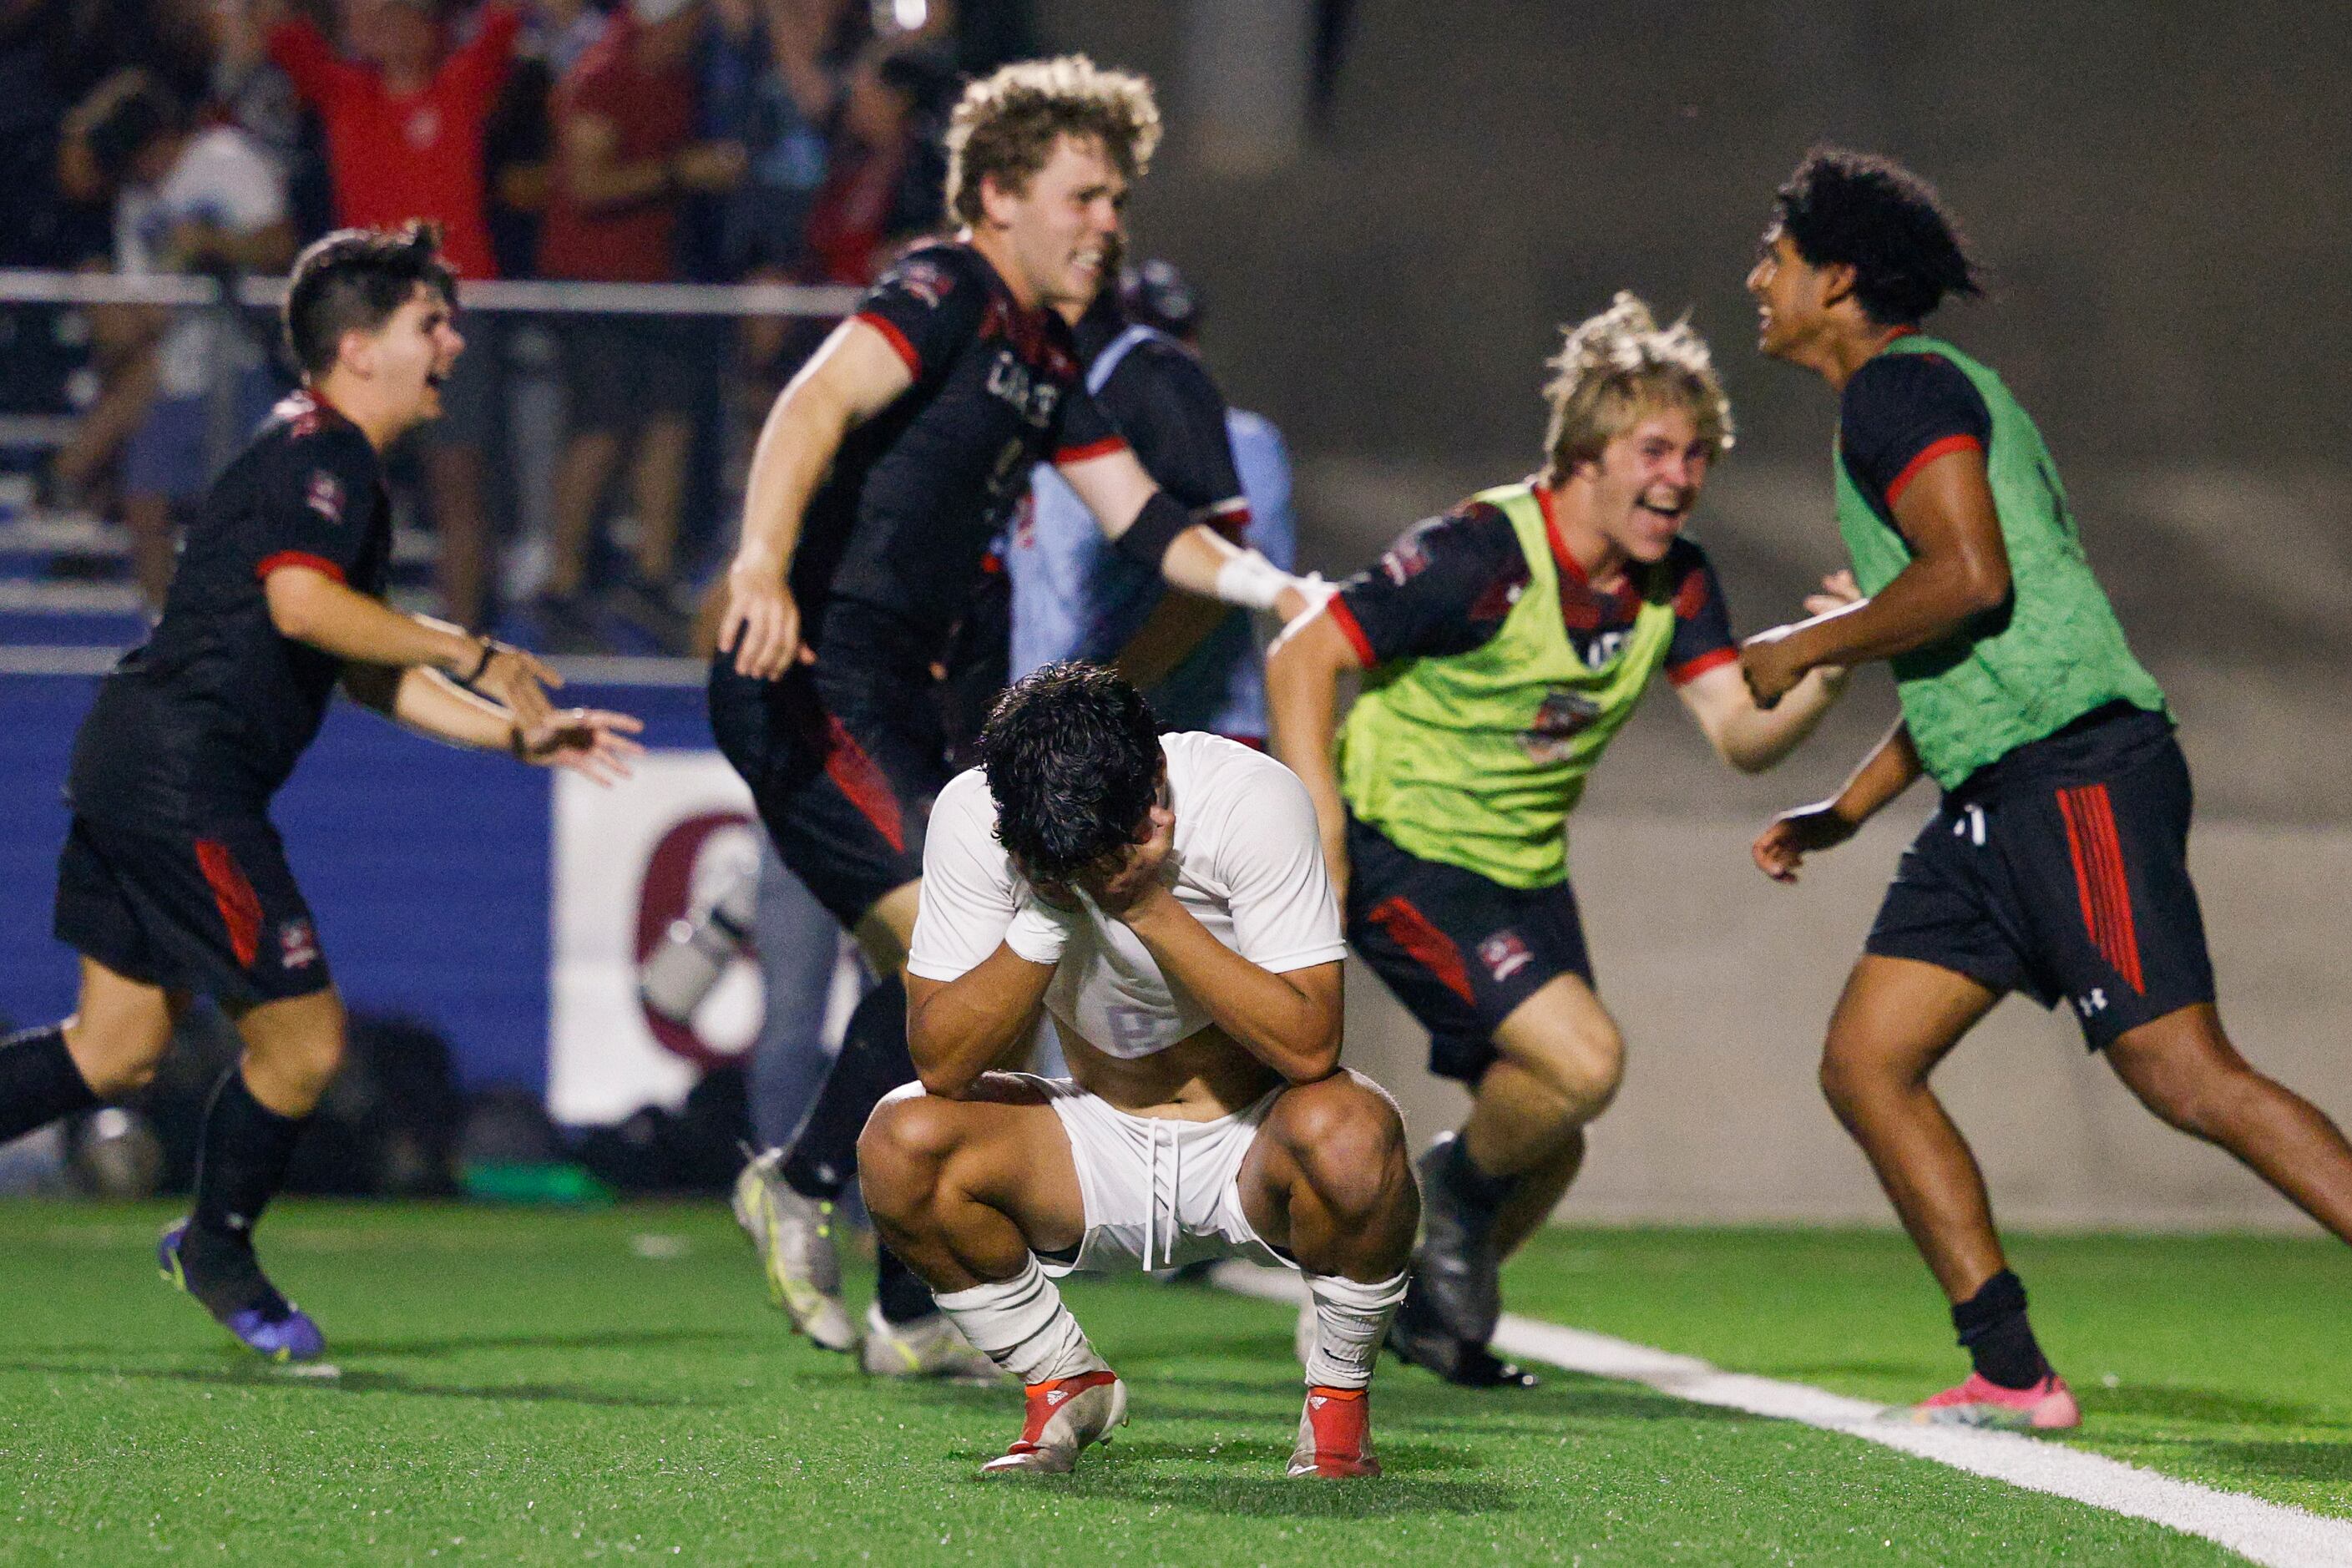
point(629, 861)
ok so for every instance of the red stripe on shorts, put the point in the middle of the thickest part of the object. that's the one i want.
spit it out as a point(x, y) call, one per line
point(869, 788)
point(240, 910)
point(1432, 948)
point(2099, 879)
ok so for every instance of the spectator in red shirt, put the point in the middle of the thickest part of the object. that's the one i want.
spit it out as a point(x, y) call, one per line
point(405, 129)
point(625, 161)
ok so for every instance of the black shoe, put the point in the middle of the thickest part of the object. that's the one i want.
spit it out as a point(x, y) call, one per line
point(1416, 1335)
point(1455, 1265)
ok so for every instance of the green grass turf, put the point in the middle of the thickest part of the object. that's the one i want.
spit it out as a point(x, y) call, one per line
point(521, 1386)
point(2220, 1358)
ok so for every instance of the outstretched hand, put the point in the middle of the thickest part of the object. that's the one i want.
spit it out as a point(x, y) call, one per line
point(1783, 847)
point(590, 741)
point(518, 682)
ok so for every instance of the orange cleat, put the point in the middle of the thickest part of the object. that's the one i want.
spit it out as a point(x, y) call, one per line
point(1334, 1435)
point(1064, 1417)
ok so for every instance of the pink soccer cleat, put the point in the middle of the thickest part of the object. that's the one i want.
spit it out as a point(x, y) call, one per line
point(2047, 1406)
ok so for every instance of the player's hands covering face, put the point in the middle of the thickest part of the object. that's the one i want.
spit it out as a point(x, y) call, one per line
point(590, 741)
point(1122, 883)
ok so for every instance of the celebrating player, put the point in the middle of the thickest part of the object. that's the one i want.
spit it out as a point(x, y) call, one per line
point(1163, 898)
point(1504, 644)
point(886, 466)
point(1074, 596)
point(2056, 865)
point(172, 881)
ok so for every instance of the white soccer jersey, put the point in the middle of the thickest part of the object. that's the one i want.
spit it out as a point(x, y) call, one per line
point(1248, 861)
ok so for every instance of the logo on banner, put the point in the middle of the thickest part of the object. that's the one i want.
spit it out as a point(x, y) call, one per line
point(667, 898)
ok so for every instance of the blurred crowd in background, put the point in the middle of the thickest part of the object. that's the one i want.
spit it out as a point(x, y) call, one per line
point(582, 481)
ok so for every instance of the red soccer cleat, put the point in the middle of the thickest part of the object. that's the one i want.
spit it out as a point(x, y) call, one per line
point(1064, 1417)
point(1334, 1435)
point(2047, 1406)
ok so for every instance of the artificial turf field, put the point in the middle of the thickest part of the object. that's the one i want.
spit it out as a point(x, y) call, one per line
point(532, 1386)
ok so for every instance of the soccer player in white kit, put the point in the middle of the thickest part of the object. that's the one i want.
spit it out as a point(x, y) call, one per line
point(1164, 898)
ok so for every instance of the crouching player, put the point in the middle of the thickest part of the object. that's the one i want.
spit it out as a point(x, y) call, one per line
point(1165, 897)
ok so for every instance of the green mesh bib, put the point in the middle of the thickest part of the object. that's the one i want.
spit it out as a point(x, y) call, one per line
point(1476, 759)
point(2054, 654)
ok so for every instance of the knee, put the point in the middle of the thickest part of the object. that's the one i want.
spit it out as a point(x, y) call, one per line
point(309, 1064)
point(2199, 1102)
point(1584, 1066)
point(119, 1061)
point(1350, 1146)
point(900, 1154)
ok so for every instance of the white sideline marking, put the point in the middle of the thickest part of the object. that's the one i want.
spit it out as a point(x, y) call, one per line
point(2267, 1532)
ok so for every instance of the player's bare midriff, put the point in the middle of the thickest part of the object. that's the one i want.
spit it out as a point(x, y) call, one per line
point(1199, 1079)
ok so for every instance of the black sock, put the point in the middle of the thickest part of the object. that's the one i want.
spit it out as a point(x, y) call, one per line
point(1478, 1190)
point(241, 1159)
point(1993, 1327)
point(872, 1063)
point(899, 1290)
point(38, 1081)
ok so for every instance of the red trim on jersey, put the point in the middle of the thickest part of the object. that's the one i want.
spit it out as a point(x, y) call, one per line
point(278, 558)
point(868, 787)
point(2099, 880)
point(1684, 673)
point(1230, 516)
point(240, 910)
point(1928, 454)
point(1585, 616)
point(1102, 448)
point(1351, 628)
point(889, 329)
point(1429, 947)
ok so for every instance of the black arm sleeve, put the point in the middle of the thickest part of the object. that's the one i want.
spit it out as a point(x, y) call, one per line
point(1164, 403)
point(1901, 411)
point(1445, 587)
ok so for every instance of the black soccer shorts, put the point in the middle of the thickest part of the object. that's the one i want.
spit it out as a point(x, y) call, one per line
point(1459, 950)
point(216, 912)
point(2064, 877)
point(844, 781)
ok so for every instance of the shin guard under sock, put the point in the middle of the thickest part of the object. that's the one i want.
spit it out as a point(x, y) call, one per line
point(38, 1081)
point(1993, 1327)
point(1474, 1189)
point(242, 1155)
point(872, 1063)
point(1022, 1325)
point(1351, 1319)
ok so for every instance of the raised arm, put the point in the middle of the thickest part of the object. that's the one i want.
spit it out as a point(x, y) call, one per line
point(1958, 570)
point(854, 376)
point(1154, 528)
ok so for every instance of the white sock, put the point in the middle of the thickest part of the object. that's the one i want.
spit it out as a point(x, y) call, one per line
point(1350, 1320)
point(1022, 1325)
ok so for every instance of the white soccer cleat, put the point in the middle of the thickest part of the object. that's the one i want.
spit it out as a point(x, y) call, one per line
point(928, 1347)
point(1064, 1417)
point(794, 1239)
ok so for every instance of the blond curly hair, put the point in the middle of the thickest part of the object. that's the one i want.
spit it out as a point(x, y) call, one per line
point(1618, 366)
point(1006, 124)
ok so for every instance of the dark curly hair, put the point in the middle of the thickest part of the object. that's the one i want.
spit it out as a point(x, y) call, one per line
point(1876, 216)
point(1072, 756)
point(354, 279)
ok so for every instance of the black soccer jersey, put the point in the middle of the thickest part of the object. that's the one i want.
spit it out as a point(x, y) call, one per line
point(1448, 585)
point(891, 541)
point(207, 719)
point(1161, 398)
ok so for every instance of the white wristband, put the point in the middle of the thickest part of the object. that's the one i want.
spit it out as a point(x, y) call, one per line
point(1251, 581)
point(1039, 931)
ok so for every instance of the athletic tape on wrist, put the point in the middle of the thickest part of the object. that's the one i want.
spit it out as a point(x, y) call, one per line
point(1251, 581)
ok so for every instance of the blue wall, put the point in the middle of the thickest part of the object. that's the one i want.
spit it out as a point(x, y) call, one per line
point(426, 866)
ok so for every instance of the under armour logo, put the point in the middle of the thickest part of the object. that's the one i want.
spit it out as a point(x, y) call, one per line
point(2096, 1001)
point(1970, 826)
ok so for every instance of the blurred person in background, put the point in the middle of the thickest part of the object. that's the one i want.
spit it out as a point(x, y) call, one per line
point(627, 158)
point(1503, 645)
point(882, 186)
point(1197, 661)
point(405, 122)
point(186, 199)
point(518, 139)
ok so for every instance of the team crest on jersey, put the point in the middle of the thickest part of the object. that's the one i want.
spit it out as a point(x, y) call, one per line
point(297, 945)
point(325, 495)
point(1504, 953)
point(1563, 716)
point(925, 280)
point(1408, 558)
